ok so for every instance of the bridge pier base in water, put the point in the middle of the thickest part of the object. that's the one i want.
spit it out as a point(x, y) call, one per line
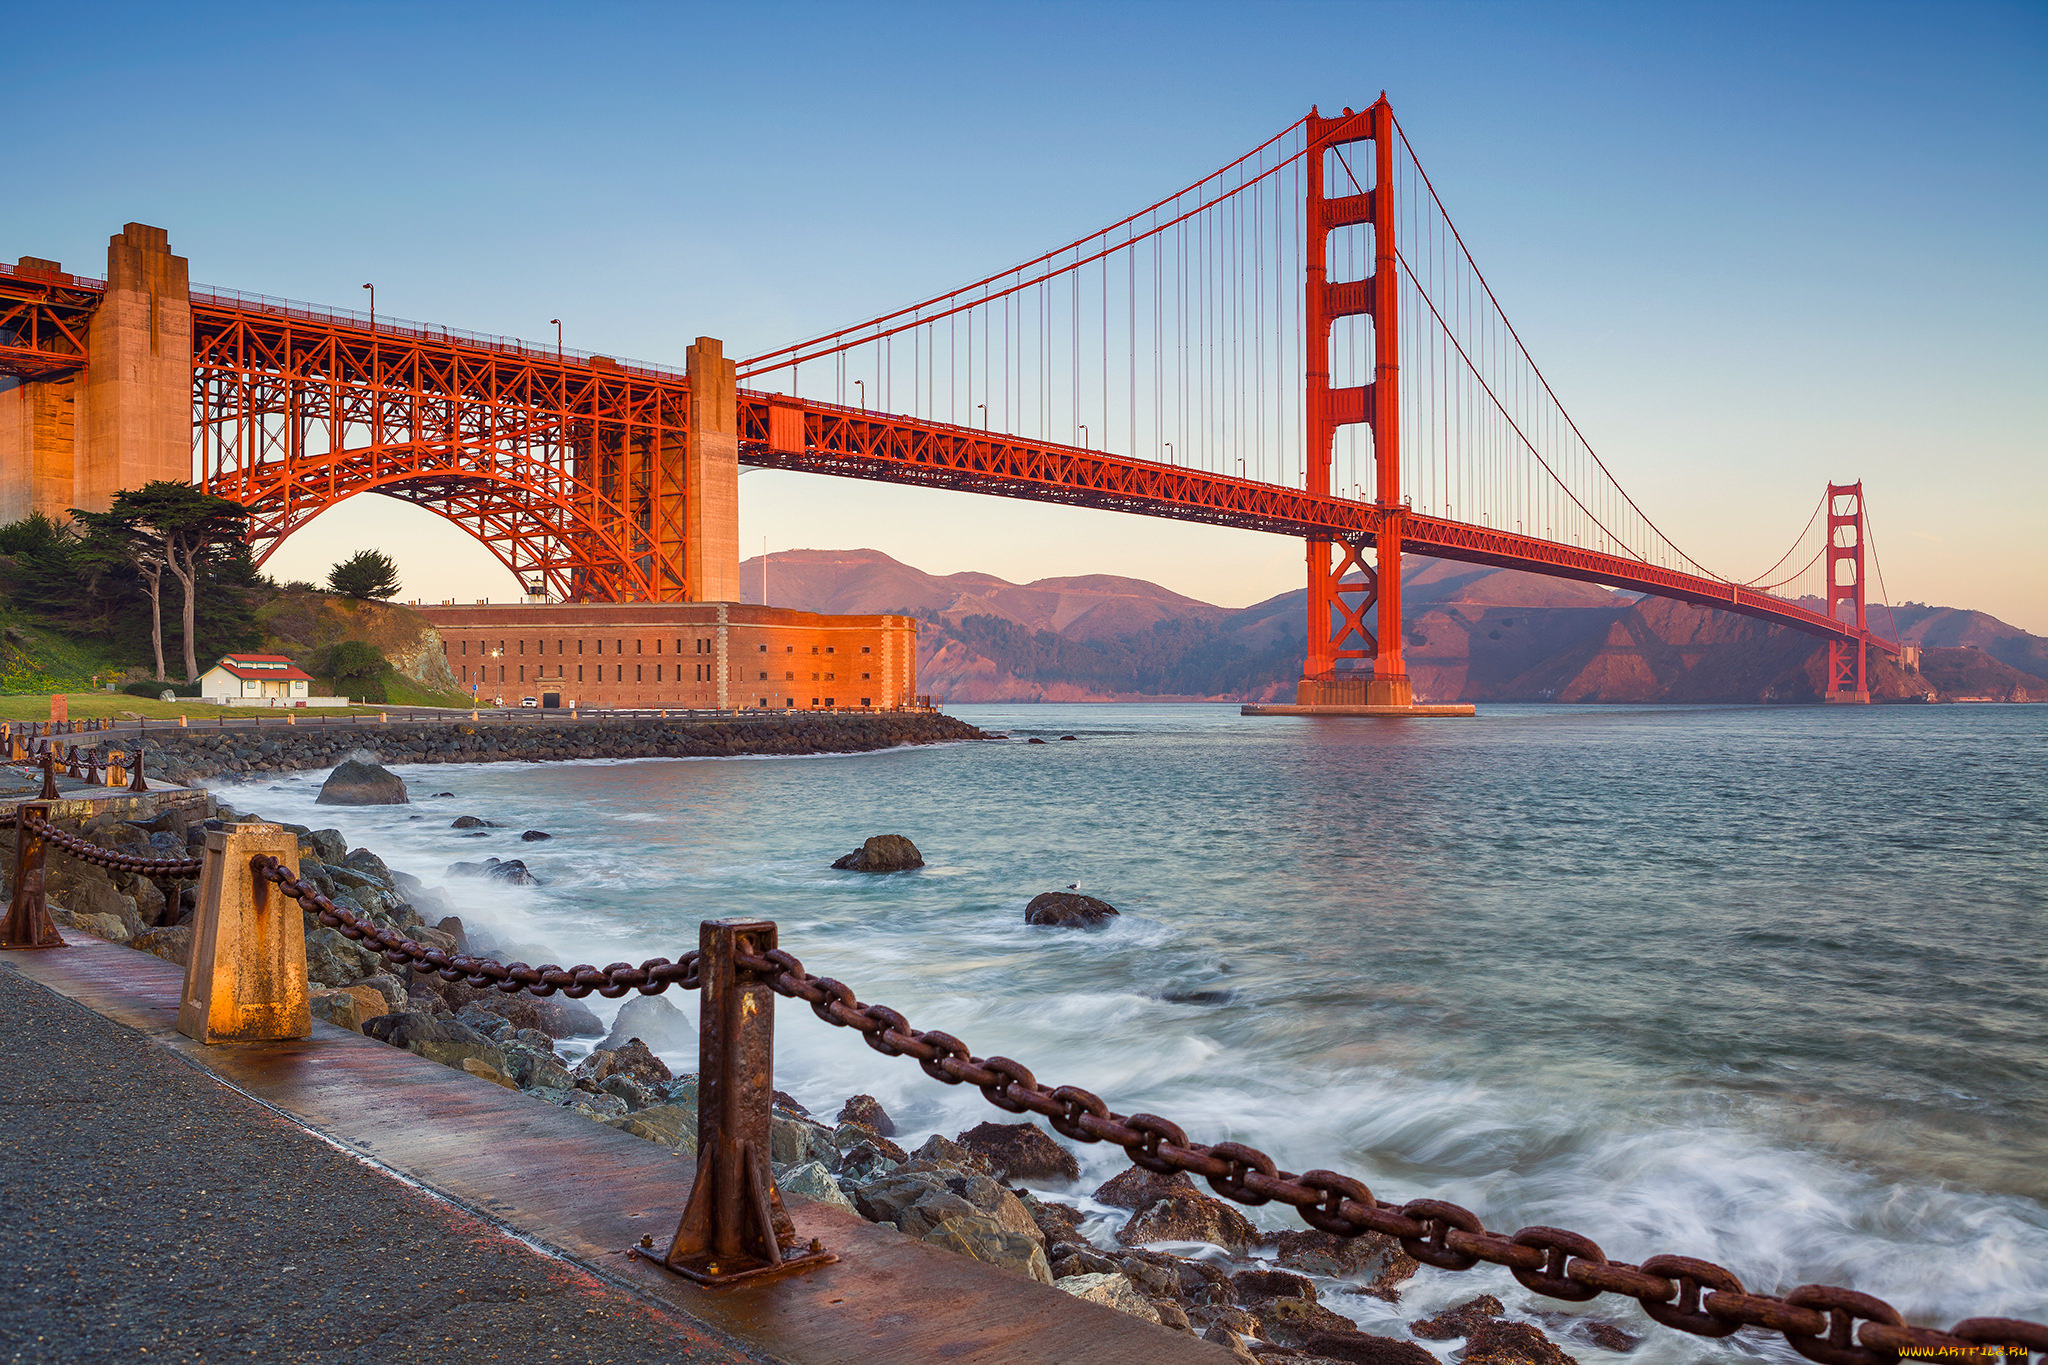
point(1361, 695)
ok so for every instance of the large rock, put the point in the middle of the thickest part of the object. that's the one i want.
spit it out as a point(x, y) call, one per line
point(555, 1015)
point(671, 1125)
point(437, 1038)
point(632, 1061)
point(356, 783)
point(1111, 1291)
point(656, 1022)
point(962, 1210)
point(1138, 1188)
point(883, 853)
point(335, 960)
point(867, 1111)
point(1459, 1320)
point(1375, 1260)
point(1190, 1218)
point(1500, 1342)
point(813, 1182)
point(513, 871)
point(1021, 1151)
point(1068, 910)
point(172, 943)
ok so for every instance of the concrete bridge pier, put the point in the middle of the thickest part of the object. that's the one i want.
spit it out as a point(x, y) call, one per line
point(124, 418)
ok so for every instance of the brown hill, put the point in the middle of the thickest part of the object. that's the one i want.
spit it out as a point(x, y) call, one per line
point(1473, 634)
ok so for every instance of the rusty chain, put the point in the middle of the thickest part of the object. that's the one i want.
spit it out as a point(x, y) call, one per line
point(649, 978)
point(1823, 1323)
point(87, 851)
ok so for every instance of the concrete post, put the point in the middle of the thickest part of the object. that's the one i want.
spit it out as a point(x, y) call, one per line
point(135, 416)
point(246, 978)
point(711, 477)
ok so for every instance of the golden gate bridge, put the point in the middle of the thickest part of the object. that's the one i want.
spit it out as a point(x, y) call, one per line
point(1300, 343)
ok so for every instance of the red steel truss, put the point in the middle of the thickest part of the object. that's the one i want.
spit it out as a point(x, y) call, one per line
point(43, 318)
point(568, 470)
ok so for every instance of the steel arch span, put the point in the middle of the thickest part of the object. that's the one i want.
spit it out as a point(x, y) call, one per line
point(568, 470)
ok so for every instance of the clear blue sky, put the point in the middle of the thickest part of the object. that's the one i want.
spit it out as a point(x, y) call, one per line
point(1755, 246)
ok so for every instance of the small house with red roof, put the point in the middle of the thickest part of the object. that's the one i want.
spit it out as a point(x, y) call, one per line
point(256, 679)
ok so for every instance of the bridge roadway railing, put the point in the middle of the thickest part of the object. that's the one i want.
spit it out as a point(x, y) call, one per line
point(246, 981)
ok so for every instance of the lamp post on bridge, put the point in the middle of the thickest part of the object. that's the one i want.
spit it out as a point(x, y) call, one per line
point(373, 305)
point(558, 339)
point(862, 386)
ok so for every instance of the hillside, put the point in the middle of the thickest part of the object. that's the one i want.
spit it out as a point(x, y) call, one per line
point(1473, 634)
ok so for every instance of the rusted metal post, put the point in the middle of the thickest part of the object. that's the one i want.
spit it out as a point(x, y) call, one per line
point(735, 1226)
point(245, 980)
point(49, 791)
point(28, 923)
point(135, 780)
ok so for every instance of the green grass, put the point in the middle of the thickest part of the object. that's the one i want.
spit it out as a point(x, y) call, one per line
point(120, 706)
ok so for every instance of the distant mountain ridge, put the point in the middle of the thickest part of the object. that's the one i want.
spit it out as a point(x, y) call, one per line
point(1472, 634)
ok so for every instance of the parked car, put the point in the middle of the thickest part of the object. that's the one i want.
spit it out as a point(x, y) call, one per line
point(529, 701)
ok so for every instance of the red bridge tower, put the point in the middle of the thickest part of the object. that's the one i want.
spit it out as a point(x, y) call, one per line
point(1338, 631)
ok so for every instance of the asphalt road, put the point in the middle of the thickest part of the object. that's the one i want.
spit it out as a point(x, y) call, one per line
point(148, 1212)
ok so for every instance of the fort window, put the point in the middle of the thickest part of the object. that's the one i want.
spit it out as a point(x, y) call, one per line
point(865, 649)
point(637, 644)
point(639, 672)
point(867, 701)
point(865, 677)
point(762, 678)
point(501, 672)
point(579, 650)
point(579, 673)
point(828, 649)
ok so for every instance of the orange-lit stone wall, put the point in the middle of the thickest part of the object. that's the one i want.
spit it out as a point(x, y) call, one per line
point(681, 655)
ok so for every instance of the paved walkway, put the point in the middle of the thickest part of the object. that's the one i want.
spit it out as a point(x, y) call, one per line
point(156, 1193)
point(150, 1212)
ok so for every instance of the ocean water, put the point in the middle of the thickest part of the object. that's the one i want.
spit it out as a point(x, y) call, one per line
point(1763, 986)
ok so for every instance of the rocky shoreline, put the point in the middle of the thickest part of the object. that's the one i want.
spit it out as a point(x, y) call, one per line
point(188, 756)
point(998, 1192)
